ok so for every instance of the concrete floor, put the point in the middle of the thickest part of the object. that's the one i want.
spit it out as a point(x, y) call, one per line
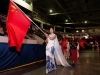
point(88, 64)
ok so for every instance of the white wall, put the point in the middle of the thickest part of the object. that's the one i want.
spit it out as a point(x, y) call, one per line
point(24, 4)
point(39, 40)
point(4, 39)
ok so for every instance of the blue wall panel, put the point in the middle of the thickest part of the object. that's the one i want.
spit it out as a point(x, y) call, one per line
point(10, 58)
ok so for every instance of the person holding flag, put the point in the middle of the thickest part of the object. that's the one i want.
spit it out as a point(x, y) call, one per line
point(54, 55)
point(17, 25)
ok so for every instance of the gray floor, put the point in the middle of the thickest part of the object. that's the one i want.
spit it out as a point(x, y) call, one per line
point(88, 64)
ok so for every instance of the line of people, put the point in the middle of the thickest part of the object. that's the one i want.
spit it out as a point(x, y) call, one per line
point(70, 47)
point(56, 54)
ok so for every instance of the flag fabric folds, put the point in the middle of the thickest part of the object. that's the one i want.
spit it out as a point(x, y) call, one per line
point(17, 25)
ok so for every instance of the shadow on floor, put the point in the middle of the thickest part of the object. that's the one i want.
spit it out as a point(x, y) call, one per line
point(35, 69)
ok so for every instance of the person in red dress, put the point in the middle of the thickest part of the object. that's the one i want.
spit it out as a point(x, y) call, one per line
point(73, 48)
point(81, 43)
point(64, 42)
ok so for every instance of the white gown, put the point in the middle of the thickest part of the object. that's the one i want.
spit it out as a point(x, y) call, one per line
point(60, 59)
point(54, 55)
point(50, 58)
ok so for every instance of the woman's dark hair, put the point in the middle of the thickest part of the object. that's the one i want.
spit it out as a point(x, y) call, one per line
point(52, 28)
point(74, 36)
point(63, 38)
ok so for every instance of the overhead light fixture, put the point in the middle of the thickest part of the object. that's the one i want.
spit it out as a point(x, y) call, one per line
point(59, 26)
point(82, 30)
point(85, 21)
point(69, 23)
point(66, 20)
point(50, 11)
point(77, 31)
point(55, 13)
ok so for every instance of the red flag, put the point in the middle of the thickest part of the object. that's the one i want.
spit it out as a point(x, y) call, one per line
point(17, 26)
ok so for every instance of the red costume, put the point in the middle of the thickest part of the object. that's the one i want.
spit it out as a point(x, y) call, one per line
point(64, 45)
point(73, 48)
point(74, 55)
point(81, 43)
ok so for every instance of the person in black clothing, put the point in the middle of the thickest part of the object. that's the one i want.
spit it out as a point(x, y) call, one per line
point(73, 48)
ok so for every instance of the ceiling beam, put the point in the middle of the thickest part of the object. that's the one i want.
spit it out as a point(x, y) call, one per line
point(42, 16)
point(63, 10)
point(93, 10)
point(53, 9)
point(79, 8)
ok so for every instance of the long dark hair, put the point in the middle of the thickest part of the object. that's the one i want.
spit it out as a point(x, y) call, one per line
point(73, 36)
point(63, 38)
point(75, 39)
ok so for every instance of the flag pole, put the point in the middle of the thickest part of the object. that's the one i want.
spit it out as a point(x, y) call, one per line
point(28, 17)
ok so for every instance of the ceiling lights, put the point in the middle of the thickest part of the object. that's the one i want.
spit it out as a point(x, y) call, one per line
point(66, 20)
point(85, 21)
point(82, 30)
point(55, 13)
point(50, 10)
point(69, 23)
point(77, 31)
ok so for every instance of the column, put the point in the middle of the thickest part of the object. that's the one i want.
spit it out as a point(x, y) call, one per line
point(41, 25)
point(54, 28)
point(64, 30)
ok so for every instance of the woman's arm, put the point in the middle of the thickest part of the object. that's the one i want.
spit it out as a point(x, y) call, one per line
point(78, 46)
point(52, 38)
point(66, 41)
point(46, 35)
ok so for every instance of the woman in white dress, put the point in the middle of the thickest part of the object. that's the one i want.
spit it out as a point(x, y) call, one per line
point(54, 55)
